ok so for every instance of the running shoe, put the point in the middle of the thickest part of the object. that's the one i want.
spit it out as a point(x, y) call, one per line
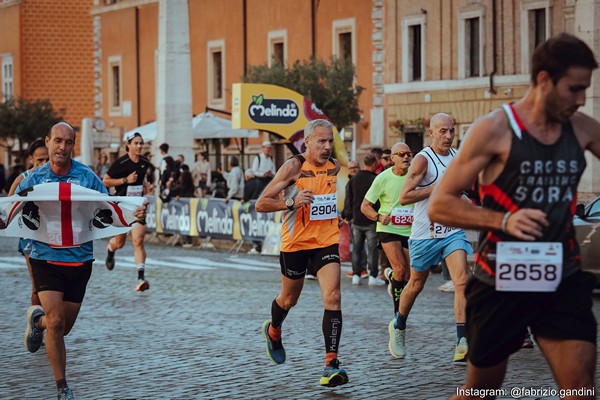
point(460, 354)
point(527, 342)
point(389, 274)
point(397, 338)
point(375, 281)
point(364, 274)
point(110, 260)
point(310, 277)
point(333, 375)
point(275, 350)
point(65, 394)
point(356, 280)
point(33, 336)
point(446, 287)
point(142, 285)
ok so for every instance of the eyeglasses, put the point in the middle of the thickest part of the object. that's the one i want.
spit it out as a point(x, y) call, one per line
point(404, 153)
point(356, 167)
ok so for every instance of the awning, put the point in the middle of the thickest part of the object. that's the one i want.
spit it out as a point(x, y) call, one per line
point(205, 125)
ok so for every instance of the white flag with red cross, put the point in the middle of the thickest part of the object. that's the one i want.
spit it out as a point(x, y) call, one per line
point(66, 215)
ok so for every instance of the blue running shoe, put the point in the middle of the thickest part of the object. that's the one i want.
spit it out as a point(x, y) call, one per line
point(33, 336)
point(275, 350)
point(65, 394)
point(333, 375)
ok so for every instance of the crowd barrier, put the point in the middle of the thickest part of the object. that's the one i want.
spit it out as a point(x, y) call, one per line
point(208, 217)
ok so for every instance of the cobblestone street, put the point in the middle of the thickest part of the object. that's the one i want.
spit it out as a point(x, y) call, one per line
point(196, 334)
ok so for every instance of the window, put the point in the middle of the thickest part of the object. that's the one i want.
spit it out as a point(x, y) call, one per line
point(535, 28)
point(413, 48)
point(7, 77)
point(115, 86)
point(470, 44)
point(277, 47)
point(344, 45)
point(216, 73)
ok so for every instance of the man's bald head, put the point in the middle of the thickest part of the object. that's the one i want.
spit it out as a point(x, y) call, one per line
point(440, 118)
point(62, 127)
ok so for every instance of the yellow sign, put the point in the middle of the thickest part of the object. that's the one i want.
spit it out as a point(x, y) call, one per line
point(278, 110)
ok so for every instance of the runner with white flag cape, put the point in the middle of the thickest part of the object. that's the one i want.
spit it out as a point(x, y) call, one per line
point(62, 214)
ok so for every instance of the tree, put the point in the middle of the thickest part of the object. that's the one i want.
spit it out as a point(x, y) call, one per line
point(26, 120)
point(331, 87)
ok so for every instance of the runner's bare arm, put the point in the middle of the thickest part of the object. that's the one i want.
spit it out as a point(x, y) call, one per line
point(271, 199)
point(366, 207)
point(110, 181)
point(587, 131)
point(487, 142)
point(410, 194)
point(15, 184)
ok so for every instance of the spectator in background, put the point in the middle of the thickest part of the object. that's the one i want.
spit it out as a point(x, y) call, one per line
point(235, 180)
point(263, 165)
point(167, 173)
point(386, 159)
point(353, 168)
point(363, 228)
point(219, 184)
point(182, 187)
point(151, 171)
point(201, 174)
point(164, 152)
point(252, 189)
point(378, 153)
point(16, 170)
point(102, 165)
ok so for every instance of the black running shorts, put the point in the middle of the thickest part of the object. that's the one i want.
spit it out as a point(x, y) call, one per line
point(294, 263)
point(385, 237)
point(497, 321)
point(72, 281)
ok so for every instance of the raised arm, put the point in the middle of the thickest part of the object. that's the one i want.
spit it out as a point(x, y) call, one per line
point(271, 199)
point(410, 194)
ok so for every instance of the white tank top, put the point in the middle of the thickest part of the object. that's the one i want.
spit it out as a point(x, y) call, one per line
point(422, 227)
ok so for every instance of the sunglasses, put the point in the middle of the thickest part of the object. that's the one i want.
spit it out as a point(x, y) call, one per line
point(385, 157)
point(404, 153)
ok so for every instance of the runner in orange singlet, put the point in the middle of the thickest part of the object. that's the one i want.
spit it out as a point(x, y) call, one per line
point(310, 236)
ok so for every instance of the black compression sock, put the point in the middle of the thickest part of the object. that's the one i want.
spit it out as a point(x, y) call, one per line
point(61, 384)
point(397, 288)
point(332, 330)
point(278, 315)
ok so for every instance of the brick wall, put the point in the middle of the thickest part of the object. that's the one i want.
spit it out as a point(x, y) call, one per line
point(57, 48)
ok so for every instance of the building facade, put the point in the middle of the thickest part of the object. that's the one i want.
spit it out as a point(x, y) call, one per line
point(46, 52)
point(225, 38)
point(467, 57)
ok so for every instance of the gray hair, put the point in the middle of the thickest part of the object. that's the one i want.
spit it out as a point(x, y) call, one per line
point(312, 126)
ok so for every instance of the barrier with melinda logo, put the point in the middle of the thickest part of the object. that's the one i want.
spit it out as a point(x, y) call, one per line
point(233, 220)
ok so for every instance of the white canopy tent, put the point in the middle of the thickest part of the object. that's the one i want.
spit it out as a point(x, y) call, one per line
point(205, 125)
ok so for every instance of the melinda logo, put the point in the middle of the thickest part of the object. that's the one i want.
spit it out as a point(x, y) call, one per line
point(272, 111)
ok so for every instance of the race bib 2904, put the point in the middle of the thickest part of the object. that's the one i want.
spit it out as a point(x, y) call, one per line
point(324, 207)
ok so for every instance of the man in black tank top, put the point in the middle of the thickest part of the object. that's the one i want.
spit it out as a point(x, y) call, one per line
point(127, 174)
point(528, 157)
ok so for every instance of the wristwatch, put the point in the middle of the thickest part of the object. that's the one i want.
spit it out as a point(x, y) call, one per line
point(289, 203)
point(124, 180)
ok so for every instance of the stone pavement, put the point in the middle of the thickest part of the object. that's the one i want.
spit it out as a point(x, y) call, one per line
point(196, 334)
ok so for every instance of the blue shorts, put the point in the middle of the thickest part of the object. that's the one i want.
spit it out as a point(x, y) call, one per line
point(425, 253)
point(24, 246)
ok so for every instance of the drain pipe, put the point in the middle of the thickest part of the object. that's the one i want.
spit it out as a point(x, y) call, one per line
point(492, 89)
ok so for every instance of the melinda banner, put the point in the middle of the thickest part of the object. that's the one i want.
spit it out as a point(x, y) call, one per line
point(209, 217)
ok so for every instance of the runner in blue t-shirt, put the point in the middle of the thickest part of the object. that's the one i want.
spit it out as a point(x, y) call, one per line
point(60, 274)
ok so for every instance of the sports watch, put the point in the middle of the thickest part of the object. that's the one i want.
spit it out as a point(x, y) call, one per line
point(290, 204)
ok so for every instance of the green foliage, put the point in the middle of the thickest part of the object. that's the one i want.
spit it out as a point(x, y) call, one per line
point(26, 120)
point(330, 86)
